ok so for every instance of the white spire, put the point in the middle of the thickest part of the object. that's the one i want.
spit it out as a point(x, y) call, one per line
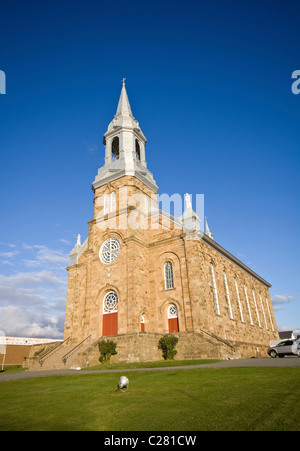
point(207, 231)
point(188, 202)
point(124, 148)
point(123, 105)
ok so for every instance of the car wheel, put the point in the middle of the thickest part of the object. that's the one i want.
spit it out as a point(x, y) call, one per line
point(273, 354)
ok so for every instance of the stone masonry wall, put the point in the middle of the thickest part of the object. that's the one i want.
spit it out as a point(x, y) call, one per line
point(143, 347)
point(137, 276)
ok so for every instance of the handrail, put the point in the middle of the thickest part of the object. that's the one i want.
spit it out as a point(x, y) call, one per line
point(43, 357)
point(66, 356)
point(222, 340)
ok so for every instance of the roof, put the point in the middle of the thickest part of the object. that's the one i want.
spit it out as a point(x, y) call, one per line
point(124, 105)
point(286, 334)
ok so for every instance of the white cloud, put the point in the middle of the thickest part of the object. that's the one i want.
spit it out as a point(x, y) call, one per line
point(62, 240)
point(46, 255)
point(9, 254)
point(32, 303)
point(280, 299)
point(7, 244)
point(20, 322)
point(7, 262)
point(41, 278)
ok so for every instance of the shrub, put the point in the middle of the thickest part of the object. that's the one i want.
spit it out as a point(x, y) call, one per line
point(167, 344)
point(107, 348)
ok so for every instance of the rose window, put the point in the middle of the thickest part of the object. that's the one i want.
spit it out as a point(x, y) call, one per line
point(109, 250)
point(110, 302)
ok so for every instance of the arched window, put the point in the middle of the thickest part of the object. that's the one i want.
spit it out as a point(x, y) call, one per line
point(227, 295)
point(215, 291)
point(110, 314)
point(109, 202)
point(113, 201)
point(256, 309)
point(106, 204)
point(263, 310)
point(169, 280)
point(137, 150)
point(115, 148)
point(248, 305)
point(173, 319)
point(142, 323)
point(239, 301)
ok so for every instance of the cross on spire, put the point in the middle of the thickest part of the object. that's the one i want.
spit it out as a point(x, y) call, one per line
point(123, 81)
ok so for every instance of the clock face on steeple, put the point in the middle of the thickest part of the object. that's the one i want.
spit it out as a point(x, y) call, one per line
point(109, 251)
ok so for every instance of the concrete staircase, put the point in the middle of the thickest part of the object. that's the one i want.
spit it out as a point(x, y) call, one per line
point(65, 355)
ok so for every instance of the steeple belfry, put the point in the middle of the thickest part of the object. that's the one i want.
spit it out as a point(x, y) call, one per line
point(124, 148)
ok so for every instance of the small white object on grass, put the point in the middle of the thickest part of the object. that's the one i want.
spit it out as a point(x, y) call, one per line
point(123, 384)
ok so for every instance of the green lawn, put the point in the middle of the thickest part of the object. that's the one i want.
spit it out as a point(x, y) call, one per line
point(176, 400)
point(11, 369)
point(152, 364)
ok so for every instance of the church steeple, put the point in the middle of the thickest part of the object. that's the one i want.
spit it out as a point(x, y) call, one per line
point(123, 105)
point(124, 147)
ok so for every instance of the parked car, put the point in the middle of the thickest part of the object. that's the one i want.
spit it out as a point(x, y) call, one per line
point(286, 347)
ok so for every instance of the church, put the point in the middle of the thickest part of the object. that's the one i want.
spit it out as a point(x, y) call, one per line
point(142, 273)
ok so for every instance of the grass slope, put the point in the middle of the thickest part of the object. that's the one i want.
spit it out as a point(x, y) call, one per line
point(176, 400)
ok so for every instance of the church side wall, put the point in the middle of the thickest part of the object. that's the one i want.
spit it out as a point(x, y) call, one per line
point(248, 323)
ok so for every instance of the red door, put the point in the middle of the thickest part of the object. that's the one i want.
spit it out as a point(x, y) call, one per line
point(173, 325)
point(110, 324)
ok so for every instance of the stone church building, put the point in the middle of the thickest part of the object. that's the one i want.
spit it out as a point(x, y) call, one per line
point(142, 273)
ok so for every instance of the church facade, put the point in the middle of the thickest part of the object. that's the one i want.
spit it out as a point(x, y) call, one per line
point(142, 273)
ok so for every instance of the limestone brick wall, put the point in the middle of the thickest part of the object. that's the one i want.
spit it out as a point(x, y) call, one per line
point(137, 276)
point(257, 323)
point(143, 347)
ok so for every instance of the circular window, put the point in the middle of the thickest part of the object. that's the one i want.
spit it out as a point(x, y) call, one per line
point(109, 250)
point(110, 302)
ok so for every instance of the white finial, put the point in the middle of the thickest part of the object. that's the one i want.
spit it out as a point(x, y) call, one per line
point(78, 240)
point(207, 231)
point(188, 201)
point(123, 81)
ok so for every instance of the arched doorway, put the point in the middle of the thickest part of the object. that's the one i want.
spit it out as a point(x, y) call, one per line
point(142, 323)
point(173, 319)
point(110, 314)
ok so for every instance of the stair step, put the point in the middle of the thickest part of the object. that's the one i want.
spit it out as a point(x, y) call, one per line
point(54, 359)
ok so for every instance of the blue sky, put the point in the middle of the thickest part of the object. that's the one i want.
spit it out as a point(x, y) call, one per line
point(210, 84)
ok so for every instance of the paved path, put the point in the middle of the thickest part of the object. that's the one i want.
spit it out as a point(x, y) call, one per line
point(287, 362)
